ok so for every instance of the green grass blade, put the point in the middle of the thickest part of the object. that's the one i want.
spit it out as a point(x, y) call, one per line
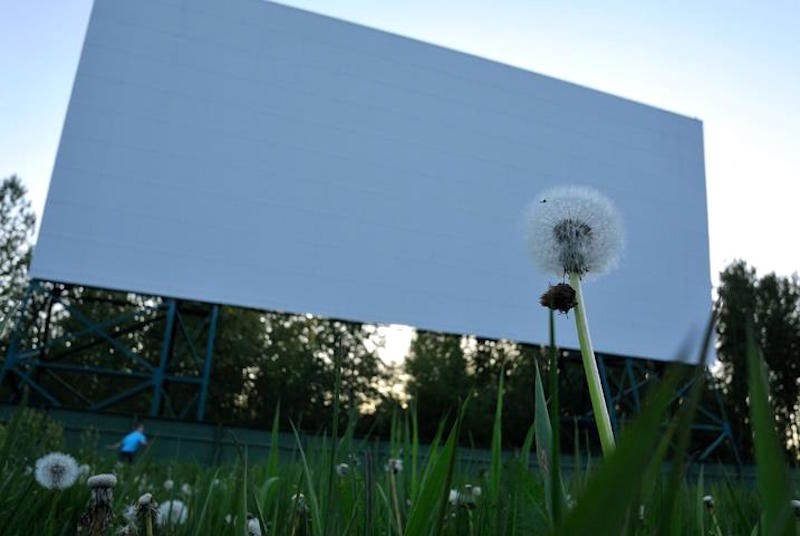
point(771, 470)
point(612, 490)
point(427, 512)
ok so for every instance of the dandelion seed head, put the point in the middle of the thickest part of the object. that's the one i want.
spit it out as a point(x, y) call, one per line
point(169, 484)
point(708, 500)
point(454, 497)
point(105, 480)
point(129, 513)
point(84, 469)
point(342, 470)
point(56, 471)
point(574, 230)
point(186, 489)
point(394, 465)
point(172, 512)
point(253, 526)
point(145, 499)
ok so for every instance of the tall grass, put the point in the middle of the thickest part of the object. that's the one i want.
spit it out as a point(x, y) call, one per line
point(627, 493)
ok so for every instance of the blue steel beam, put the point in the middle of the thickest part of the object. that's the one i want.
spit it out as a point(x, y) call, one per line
point(166, 350)
point(212, 333)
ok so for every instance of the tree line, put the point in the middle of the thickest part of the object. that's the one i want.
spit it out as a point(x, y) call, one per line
point(265, 360)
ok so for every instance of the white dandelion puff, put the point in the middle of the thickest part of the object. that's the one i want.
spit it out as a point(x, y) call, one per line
point(172, 512)
point(105, 480)
point(394, 465)
point(28, 470)
point(574, 230)
point(253, 526)
point(299, 501)
point(475, 491)
point(168, 485)
point(708, 500)
point(56, 471)
point(129, 514)
point(186, 489)
point(454, 497)
point(84, 469)
point(342, 470)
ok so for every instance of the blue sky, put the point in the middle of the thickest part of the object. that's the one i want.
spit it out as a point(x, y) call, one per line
point(732, 64)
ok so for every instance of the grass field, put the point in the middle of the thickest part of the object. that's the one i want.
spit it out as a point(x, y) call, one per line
point(311, 492)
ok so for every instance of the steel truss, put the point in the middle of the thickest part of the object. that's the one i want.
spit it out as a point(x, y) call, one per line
point(626, 381)
point(169, 376)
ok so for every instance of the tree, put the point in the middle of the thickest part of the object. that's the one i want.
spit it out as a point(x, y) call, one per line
point(17, 221)
point(771, 305)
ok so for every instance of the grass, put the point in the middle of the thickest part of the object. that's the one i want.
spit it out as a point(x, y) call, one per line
point(629, 492)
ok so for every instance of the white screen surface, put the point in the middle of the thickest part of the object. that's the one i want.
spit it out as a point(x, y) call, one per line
point(246, 153)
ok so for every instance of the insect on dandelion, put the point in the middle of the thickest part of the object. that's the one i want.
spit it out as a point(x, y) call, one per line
point(572, 232)
point(56, 471)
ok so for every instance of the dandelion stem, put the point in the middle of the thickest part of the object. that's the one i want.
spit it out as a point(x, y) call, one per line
point(596, 395)
point(396, 502)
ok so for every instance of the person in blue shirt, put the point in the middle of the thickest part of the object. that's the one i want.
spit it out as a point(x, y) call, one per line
point(131, 443)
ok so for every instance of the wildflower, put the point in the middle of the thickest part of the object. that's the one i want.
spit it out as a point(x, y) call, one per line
point(186, 489)
point(56, 471)
point(99, 514)
point(708, 500)
point(172, 512)
point(574, 230)
point(253, 526)
point(342, 469)
point(169, 484)
point(84, 469)
point(394, 465)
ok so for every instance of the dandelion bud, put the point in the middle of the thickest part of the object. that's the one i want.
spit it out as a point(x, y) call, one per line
point(559, 297)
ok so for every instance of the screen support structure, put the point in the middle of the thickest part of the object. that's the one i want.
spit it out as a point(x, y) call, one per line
point(106, 340)
point(626, 381)
point(152, 356)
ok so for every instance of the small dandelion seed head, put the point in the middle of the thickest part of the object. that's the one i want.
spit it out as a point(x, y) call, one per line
point(708, 500)
point(394, 465)
point(576, 230)
point(342, 470)
point(253, 526)
point(84, 469)
point(299, 501)
point(168, 485)
point(145, 500)
point(186, 489)
point(56, 471)
point(454, 497)
point(172, 512)
point(105, 480)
